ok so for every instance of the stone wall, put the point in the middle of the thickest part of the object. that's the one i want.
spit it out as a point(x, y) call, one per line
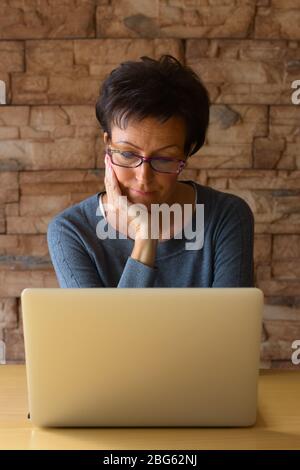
point(53, 58)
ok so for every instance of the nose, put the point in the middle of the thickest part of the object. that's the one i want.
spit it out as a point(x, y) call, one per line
point(144, 172)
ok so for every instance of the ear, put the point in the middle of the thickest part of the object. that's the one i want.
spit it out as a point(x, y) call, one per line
point(105, 138)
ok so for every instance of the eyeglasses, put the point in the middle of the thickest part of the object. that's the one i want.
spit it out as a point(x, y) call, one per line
point(131, 160)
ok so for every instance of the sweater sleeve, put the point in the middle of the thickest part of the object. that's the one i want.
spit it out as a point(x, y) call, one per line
point(74, 266)
point(233, 246)
point(137, 274)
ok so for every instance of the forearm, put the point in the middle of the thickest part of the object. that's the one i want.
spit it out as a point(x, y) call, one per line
point(144, 250)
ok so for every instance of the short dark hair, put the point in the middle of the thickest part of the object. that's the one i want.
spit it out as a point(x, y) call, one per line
point(155, 88)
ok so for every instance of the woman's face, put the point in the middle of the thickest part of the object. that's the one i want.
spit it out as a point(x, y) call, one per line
point(148, 138)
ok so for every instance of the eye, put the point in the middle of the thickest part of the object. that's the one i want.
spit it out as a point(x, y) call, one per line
point(163, 160)
point(128, 155)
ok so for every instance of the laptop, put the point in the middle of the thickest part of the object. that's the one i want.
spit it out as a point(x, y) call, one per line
point(142, 357)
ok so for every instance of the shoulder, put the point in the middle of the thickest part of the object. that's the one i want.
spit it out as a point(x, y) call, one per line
point(222, 203)
point(224, 212)
point(76, 218)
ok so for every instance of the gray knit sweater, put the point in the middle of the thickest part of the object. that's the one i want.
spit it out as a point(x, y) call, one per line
point(81, 259)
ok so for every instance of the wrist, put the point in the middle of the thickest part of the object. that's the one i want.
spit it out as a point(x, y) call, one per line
point(144, 250)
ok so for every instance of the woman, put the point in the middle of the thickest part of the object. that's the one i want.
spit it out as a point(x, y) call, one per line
point(154, 115)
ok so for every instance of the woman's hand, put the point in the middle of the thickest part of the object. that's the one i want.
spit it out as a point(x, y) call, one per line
point(127, 218)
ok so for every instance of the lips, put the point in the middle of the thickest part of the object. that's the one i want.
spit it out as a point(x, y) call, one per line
point(142, 192)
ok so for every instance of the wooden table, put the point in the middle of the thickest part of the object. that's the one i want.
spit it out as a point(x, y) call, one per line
point(277, 427)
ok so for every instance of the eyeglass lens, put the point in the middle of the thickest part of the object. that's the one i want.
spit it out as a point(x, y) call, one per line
point(130, 160)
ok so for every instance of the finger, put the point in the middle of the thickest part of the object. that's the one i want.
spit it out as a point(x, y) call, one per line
point(112, 185)
point(113, 181)
point(107, 181)
point(108, 171)
point(106, 160)
point(109, 191)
